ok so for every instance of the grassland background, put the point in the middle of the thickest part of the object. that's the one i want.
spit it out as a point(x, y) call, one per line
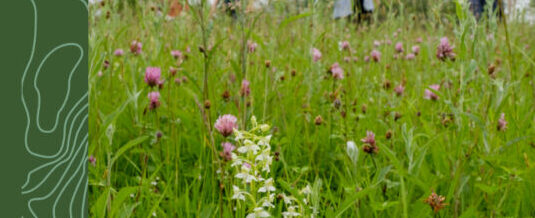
point(450, 146)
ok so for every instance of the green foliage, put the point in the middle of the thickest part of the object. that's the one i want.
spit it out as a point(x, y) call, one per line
point(450, 146)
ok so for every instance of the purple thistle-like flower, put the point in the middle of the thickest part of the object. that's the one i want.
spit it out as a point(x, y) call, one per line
point(369, 139)
point(410, 56)
point(245, 89)
point(226, 124)
point(152, 76)
point(419, 40)
point(337, 71)
point(445, 50)
point(416, 49)
point(92, 160)
point(428, 94)
point(376, 55)
point(136, 47)
point(343, 45)
point(227, 150)
point(502, 123)
point(154, 98)
point(118, 52)
point(376, 43)
point(399, 90)
point(316, 54)
point(251, 46)
point(399, 47)
point(176, 54)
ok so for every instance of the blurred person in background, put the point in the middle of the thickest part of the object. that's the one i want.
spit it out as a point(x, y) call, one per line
point(362, 8)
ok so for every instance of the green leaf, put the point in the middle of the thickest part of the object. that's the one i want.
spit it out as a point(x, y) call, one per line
point(119, 199)
point(127, 146)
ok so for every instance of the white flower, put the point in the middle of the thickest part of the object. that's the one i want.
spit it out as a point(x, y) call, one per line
point(306, 190)
point(244, 174)
point(248, 146)
point(268, 201)
point(238, 194)
point(268, 186)
point(352, 152)
point(291, 212)
point(265, 160)
point(264, 141)
point(258, 212)
point(239, 135)
point(264, 127)
point(236, 161)
point(287, 199)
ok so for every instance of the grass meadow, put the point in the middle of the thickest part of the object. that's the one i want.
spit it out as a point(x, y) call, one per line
point(407, 123)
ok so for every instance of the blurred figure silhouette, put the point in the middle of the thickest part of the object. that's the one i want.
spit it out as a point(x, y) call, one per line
point(362, 8)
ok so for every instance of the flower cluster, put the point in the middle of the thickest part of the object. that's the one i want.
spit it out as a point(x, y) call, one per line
point(436, 202)
point(445, 50)
point(251, 163)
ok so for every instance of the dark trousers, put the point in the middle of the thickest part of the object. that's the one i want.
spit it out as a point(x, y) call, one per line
point(478, 7)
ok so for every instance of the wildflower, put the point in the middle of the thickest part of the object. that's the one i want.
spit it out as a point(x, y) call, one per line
point(388, 42)
point(399, 90)
point(172, 71)
point(152, 76)
point(92, 160)
point(399, 47)
point(376, 55)
point(419, 40)
point(318, 120)
point(237, 193)
point(337, 71)
point(249, 146)
point(343, 45)
point(154, 98)
point(245, 88)
point(207, 104)
point(291, 212)
point(316, 54)
point(176, 54)
point(226, 95)
point(245, 175)
point(428, 94)
point(436, 202)
point(267, 201)
point(388, 134)
point(445, 50)
point(106, 64)
point(268, 186)
point(376, 43)
point(135, 47)
point(226, 124)
point(352, 151)
point(502, 124)
point(366, 59)
point(416, 49)
point(369, 139)
point(370, 146)
point(267, 63)
point(347, 59)
point(251, 46)
point(178, 81)
point(99, 74)
point(387, 84)
point(410, 56)
point(258, 212)
point(118, 52)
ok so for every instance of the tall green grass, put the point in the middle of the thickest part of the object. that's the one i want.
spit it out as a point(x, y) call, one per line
point(450, 146)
